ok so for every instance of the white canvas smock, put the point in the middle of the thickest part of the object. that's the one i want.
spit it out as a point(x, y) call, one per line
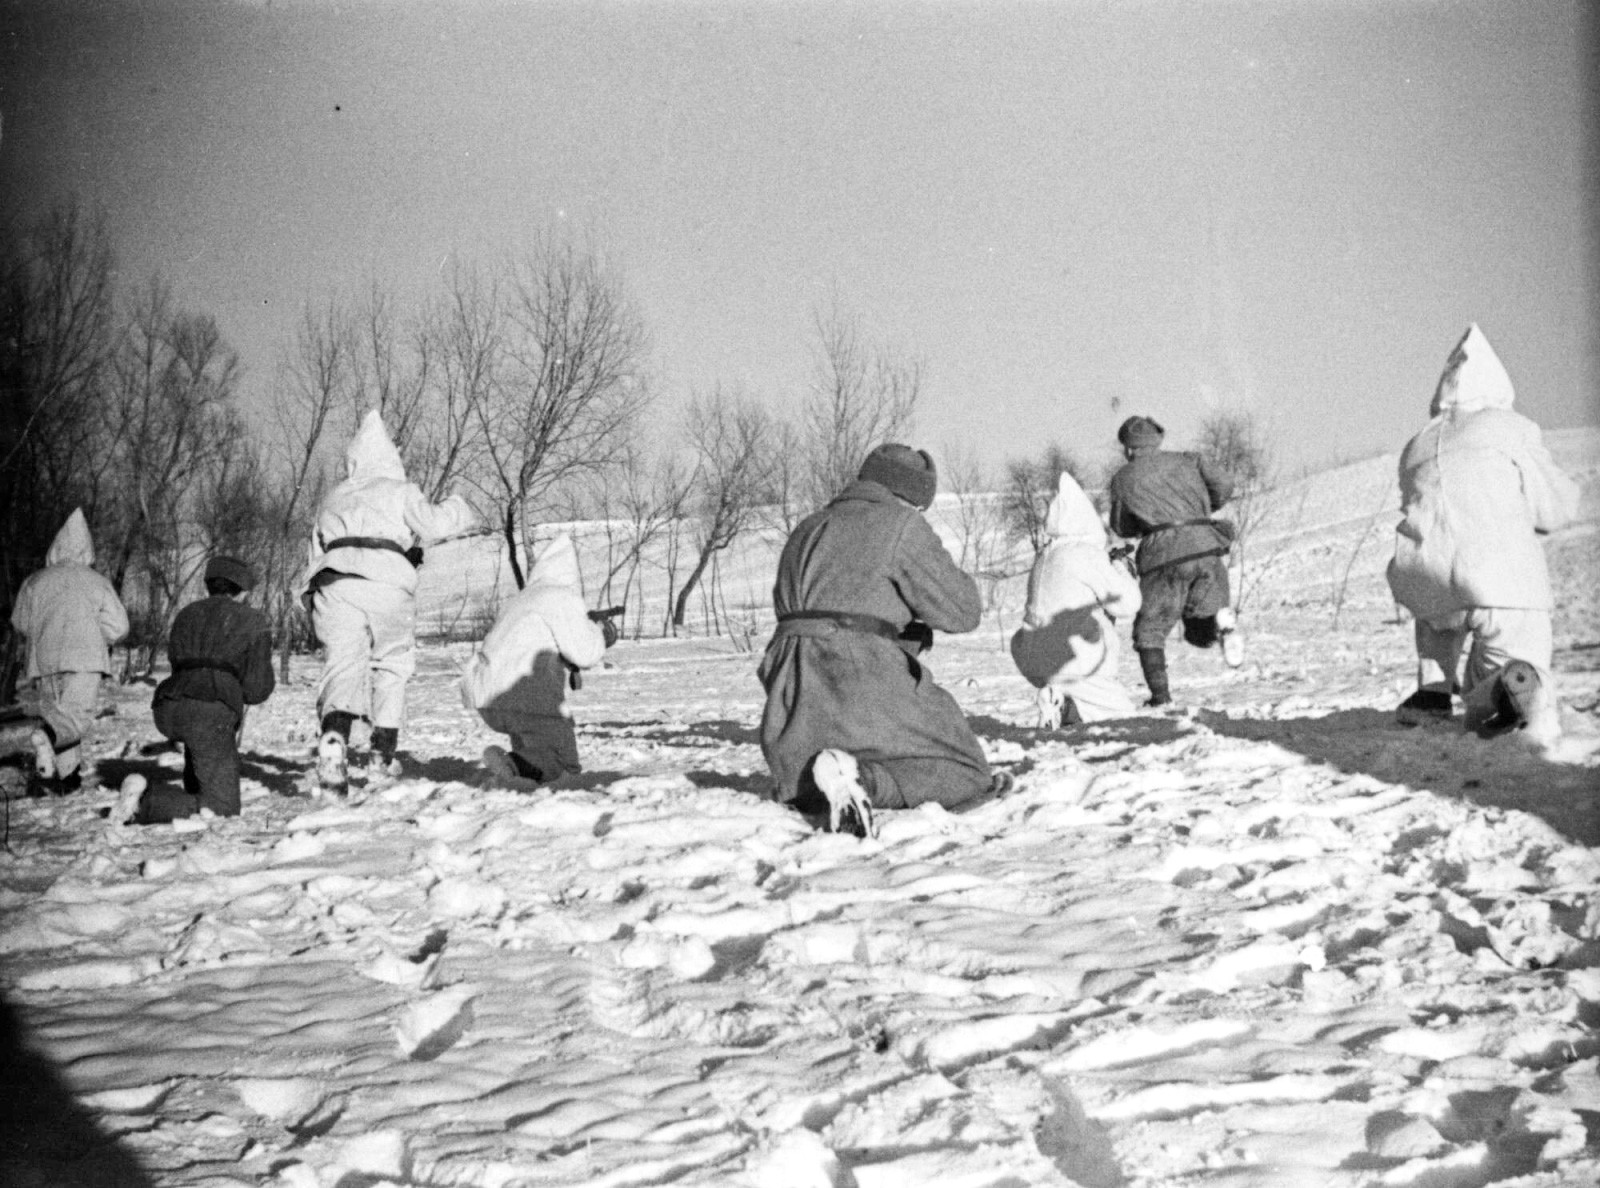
point(517, 679)
point(1477, 486)
point(367, 620)
point(1068, 639)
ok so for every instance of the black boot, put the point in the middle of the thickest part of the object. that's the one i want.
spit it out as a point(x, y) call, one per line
point(1425, 705)
point(1153, 661)
point(338, 722)
point(525, 769)
point(333, 753)
point(1515, 688)
point(385, 741)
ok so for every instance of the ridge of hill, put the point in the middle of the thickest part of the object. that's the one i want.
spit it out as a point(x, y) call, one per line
point(1322, 536)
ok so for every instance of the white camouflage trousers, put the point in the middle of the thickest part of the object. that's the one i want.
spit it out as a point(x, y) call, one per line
point(66, 701)
point(370, 632)
point(1472, 646)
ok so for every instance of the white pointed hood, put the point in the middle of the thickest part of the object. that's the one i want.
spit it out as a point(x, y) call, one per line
point(557, 565)
point(73, 545)
point(372, 454)
point(1473, 377)
point(1071, 515)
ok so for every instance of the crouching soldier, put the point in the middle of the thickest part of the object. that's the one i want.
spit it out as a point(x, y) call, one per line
point(1067, 646)
point(518, 678)
point(854, 722)
point(221, 652)
point(1477, 489)
point(70, 615)
point(1164, 499)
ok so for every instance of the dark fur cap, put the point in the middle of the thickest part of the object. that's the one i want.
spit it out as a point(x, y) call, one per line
point(1140, 431)
point(908, 473)
point(231, 569)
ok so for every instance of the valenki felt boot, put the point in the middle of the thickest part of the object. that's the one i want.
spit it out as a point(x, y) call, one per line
point(333, 751)
point(840, 779)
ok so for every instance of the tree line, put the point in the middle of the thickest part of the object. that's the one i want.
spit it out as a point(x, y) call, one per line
point(523, 382)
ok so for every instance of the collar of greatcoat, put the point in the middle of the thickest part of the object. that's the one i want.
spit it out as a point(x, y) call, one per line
point(872, 492)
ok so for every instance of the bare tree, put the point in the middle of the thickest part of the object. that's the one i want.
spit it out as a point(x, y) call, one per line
point(233, 506)
point(172, 379)
point(785, 499)
point(1342, 587)
point(977, 517)
point(569, 385)
point(1029, 486)
point(460, 344)
point(56, 334)
point(730, 438)
point(862, 394)
point(637, 502)
point(312, 388)
point(165, 416)
point(389, 369)
point(1236, 442)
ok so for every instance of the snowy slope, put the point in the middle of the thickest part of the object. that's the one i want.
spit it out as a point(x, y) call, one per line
point(1268, 939)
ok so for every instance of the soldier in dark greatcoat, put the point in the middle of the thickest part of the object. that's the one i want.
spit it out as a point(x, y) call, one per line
point(853, 716)
point(1165, 499)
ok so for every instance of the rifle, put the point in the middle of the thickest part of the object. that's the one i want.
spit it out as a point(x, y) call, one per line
point(1124, 553)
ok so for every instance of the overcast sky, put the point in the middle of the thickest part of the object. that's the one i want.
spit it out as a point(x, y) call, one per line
point(1071, 211)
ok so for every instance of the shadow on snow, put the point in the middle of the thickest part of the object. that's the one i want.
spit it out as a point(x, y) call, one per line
point(46, 1137)
point(1438, 758)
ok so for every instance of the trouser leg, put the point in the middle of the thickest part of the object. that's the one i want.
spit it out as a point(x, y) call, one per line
point(1205, 595)
point(1500, 636)
point(1160, 608)
point(906, 783)
point(393, 623)
point(1439, 642)
point(550, 746)
point(341, 625)
point(210, 761)
point(212, 748)
point(1153, 663)
point(66, 703)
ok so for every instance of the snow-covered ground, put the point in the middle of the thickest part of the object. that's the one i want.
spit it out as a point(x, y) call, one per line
point(1272, 939)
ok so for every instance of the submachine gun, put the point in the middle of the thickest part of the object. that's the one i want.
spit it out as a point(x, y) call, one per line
point(607, 618)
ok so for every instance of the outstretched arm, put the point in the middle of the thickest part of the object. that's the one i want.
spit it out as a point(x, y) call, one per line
point(1219, 485)
point(453, 516)
point(113, 616)
point(1552, 495)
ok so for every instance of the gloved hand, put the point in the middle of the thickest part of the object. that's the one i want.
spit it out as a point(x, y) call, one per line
point(414, 555)
point(918, 634)
point(574, 677)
